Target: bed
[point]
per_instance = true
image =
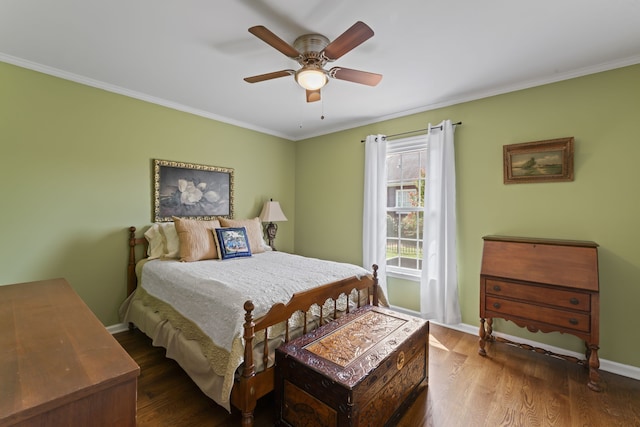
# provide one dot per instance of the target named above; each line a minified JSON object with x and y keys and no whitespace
{"x":258,"y":302}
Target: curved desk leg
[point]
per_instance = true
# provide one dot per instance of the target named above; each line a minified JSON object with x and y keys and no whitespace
{"x":485,"y":334}
{"x":594,"y":365}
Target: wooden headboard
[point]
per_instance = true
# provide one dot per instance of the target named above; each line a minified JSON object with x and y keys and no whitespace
{"x":132,"y":279}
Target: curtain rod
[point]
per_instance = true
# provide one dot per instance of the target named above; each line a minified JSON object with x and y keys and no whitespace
{"x":415,"y":131}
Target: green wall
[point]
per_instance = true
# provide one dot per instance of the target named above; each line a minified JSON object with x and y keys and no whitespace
{"x":602,"y":203}
{"x":75,"y":173}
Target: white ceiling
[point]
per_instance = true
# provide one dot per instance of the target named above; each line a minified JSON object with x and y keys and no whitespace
{"x":192,"y":55}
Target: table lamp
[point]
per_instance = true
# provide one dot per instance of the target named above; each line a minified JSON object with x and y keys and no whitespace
{"x":271,"y":212}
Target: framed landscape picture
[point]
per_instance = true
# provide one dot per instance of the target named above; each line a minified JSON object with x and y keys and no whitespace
{"x":189,"y":190}
{"x":539,"y":161}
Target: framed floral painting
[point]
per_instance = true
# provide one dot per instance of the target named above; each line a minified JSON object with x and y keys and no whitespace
{"x":188,"y":190}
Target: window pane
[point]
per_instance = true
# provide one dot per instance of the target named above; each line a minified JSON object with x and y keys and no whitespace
{"x":407,"y":225}
{"x":392,"y":251}
{"x":406,"y":198}
{"x":406,"y":171}
{"x":394,"y":168}
{"x":420,"y":224}
{"x":394,"y":262}
{"x":410,"y":165}
{"x":392,"y":224}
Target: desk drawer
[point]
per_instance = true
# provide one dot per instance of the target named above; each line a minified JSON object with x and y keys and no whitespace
{"x":562,"y":318}
{"x":574,"y":300}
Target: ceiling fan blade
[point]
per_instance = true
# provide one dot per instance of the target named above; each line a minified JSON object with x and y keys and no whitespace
{"x":269,"y":76}
{"x":313,"y":95}
{"x":274,"y":41}
{"x":355,"y":76}
{"x":353,"y":37}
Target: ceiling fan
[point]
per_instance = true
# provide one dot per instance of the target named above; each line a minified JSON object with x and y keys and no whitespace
{"x":312,"y":52}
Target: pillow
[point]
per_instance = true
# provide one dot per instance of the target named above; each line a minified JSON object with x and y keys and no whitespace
{"x":155,"y":248}
{"x":232,"y":242}
{"x":196,"y":239}
{"x":170,"y":240}
{"x":254,"y":231}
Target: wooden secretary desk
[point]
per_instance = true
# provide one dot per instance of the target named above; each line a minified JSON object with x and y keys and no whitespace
{"x":544,"y":285}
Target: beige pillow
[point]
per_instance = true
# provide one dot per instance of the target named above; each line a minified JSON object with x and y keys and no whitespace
{"x":155,"y":248}
{"x":254,"y":231}
{"x":196,"y":239}
{"x":171,"y":244}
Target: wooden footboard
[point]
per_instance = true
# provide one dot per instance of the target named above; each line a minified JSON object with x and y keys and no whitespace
{"x":252,"y":385}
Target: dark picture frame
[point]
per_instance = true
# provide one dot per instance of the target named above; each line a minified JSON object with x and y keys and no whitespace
{"x":189,"y":190}
{"x":539,"y":161}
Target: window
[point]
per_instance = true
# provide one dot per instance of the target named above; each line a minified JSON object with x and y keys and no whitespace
{"x":406,"y":172}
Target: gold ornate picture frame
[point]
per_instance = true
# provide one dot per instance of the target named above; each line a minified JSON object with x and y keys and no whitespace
{"x":189,"y":190}
{"x":539,"y":161}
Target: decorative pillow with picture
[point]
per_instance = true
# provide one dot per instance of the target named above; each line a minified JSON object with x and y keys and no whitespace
{"x":232,"y":242}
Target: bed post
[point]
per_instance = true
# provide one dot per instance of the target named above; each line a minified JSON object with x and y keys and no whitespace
{"x":247,"y":392}
{"x":131,"y":268}
{"x":375,"y":284}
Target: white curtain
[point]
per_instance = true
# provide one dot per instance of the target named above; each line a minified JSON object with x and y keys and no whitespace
{"x":439,"y":280}
{"x":374,"y":221}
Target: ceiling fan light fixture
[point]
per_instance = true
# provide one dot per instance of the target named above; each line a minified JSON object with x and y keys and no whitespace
{"x":312,"y":52}
{"x":311,"y":78}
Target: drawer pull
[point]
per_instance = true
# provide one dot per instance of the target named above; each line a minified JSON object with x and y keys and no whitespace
{"x":574,"y":301}
{"x":496,"y":288}
{"x":496,"y":305}
{"x":573,"y":321}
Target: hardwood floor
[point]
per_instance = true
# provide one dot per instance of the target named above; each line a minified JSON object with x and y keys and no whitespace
{"x":510,"y":387}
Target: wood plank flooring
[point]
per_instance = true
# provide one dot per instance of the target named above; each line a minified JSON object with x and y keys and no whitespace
{"x":510,"y":387}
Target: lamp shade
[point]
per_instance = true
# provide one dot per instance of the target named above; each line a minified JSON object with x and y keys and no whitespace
{"x":311,"y":78}
{"x":272,"y":212}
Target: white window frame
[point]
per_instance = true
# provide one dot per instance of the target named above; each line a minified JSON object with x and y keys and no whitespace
{"x":405,"y":145}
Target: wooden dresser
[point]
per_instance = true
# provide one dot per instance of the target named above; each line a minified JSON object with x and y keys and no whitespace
{"x":544,"y":285}
{"x":362,"y":369}
{"x":58,"y":364}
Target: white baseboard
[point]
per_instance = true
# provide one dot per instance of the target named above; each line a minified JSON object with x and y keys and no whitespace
{"x":605,"y":365}
{"x":118,"y":327}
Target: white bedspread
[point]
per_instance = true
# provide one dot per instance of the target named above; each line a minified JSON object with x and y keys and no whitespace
{"x":212,"y":293}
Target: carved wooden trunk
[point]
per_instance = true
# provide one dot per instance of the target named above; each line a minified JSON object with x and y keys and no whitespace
{"x":362,"y":369}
